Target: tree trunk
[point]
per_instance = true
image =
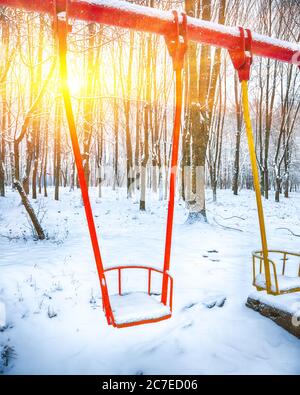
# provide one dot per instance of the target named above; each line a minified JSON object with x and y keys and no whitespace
{"x":37,"y":120}
{"x":278,"y":188}
{"x":202,"y":90}
{"x":147,"y":123}
{"x":57,"y":148}
{"x":45,"y":162}
{"x":236,"y":171}
{"x":127,"y":106}
{"x":89,"y":103}
{"x":116,"y":127}
{"x":35,"y":222}
{"x":3,"y":144}
{"x":5,"y":65}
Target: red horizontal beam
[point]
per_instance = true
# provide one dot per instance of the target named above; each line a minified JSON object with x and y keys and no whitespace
{"x":127,"y":15}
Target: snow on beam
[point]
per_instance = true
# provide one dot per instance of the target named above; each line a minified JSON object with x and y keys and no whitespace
{"x":284,"y":309}
{"x":131,"y":16}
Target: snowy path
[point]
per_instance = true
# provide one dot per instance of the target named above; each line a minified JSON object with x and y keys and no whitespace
{"x":57,"y":279}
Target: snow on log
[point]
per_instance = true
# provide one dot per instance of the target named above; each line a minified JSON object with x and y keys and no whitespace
{"x":284,"y":309}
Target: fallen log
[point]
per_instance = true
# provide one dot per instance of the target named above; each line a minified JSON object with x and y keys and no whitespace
{"x":26,"y":203}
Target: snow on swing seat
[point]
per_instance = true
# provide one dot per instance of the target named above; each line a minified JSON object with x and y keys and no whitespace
{"x":285,"y":283}
{"x":137,"y":306}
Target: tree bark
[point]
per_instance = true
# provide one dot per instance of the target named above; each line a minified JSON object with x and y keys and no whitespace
{"x":57,"y":148}
{"x":202,"y":88}
{"x":37,"y":121}
{"x":147,"y":126}
{"x":89,"y":102}
{"x":238,"y":107}
{"x":35,"y":222}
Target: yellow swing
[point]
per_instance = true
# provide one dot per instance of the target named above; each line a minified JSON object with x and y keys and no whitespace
{"x":277,"y":282}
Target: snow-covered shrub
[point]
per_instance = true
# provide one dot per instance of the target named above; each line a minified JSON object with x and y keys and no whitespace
{"x":7,"y":354}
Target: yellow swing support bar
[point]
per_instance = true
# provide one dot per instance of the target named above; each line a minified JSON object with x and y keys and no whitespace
{"x":242,"y":60}
{"x":251,"y":145}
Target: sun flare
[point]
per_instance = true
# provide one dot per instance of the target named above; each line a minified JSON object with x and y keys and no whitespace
{"x":75,"y":85}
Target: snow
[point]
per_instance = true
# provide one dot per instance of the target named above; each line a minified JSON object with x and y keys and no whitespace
{"x":137,"y":306}
{"x":234,"y":31}
{"x":62,"y":16}
{"x":130,"y":7}
{"x":54,"y":317}
{"x":276,"y":42}
{"x":285,"y":283}
{"x":208,"y":25}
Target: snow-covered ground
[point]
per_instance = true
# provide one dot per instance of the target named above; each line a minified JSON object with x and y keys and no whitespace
{"x":54,"y":321}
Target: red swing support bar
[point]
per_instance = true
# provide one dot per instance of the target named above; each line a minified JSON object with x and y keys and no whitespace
{"x":127,"y":15}
{"x":177,"y":46}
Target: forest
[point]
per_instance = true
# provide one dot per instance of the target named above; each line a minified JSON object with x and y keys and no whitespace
{"x":122,"y":89}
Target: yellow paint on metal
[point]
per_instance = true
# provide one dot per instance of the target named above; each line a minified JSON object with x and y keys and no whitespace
{"x":258,"y":256}
{"x":256,"y":182}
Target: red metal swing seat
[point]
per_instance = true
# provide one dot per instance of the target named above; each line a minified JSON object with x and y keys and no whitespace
{"x":137,"y":308}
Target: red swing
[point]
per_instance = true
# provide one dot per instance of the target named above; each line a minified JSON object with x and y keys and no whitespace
{"x":123,"y":310}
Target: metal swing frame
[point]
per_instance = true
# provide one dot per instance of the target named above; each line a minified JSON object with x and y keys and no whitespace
{"x":177,"y":46}
{"x":242,"y":60}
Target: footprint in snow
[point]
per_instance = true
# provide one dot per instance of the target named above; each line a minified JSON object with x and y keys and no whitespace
{"x":189,"y":306}
{"x":188,"y":325}
{"x":212,"y":302}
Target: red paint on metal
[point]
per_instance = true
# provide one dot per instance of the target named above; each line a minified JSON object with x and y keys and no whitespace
{"x":150,"y":20}
{"x":62,"y":31}
{"x":149,"y":282}
{"x":242,"y":58}
{"x":119,"y":282}
{"x":177,"y":49}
